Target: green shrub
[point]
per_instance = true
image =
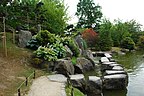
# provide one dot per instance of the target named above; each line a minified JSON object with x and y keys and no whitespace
{"x":45,"y":53}
{"x":33,"y":43}
{"x":72,"y":45}
{"x":141,"y":42}
{"x":59,"y":49}
{"x":44,"y":37}
{"x":128,"y":43}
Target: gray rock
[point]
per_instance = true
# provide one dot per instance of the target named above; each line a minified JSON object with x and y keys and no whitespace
{"x":112,"y":72}
{"x":78,"y":81}
{"x":68,"y":51}
{"x":108,"y":66}
{"x":88,"y":54}
{"x":64,"y":67}
{"x":79,"y":41}
{"x":78,"y":69}
{"x":117,"y":68}
{"x":57,"y":78}
{"x":108,"y":55}
{"x":85,"y":64}
{"x":23,"y":38}
{"x":94,"y":86}
{"x":116,"y":81}
{"x":104,"y":59}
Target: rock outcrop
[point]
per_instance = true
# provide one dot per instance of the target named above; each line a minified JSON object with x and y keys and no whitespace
{"x":64,"y":67}
{"x":94,"y":86}
{"x":23,"y":38}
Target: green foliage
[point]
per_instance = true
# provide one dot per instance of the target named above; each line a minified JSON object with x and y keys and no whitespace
{"x":141,"y":42}
{"x":128,"y":43}
{"x":88,"y":14}
{"x":55,"y":14}
{"x":45,"y":53}
{"x":76,"y":92}
{"x":105,"y":40}
{"x":120,"y":30}
{"x":33,"y":43}
{"x":74,"y":60}
{"x":59,"y":49}
{"x":51,"y":14}
{"x":72,"y":45}
{"x":44,"y":37}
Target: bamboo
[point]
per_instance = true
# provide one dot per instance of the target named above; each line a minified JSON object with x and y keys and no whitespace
{"x":13,"y":37}
{"x":5,"y":46}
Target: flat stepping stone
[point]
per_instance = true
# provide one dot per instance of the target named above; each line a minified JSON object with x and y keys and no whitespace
{"x":117,"y":68}
{"x":112,"y":72}
{"x":77,"y":76}
{"x":104,"y":59}
{"x":108,"y":55}
{"x":109,"y":63}
{"x":57,"y":78}
{"x":116,"y":81}
{"x":115,"y":76}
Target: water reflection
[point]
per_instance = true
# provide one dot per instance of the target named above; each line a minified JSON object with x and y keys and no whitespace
{"x":115,"y":93}
{"x":134,"y":64}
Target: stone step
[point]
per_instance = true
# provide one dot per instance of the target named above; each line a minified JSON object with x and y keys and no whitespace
{"x":116,"y":81}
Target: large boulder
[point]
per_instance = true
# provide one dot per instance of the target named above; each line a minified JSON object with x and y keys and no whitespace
{"x":89,"y":55}
{"x":78,"y":81}
{"x":64,"y":67}
{"x":94,"y":86}
{"x":23,"y":38}
{"x":69,"y":53}
{"x":79,"y":41}
{"x":116,"y":81}
{"x":84,"y":64}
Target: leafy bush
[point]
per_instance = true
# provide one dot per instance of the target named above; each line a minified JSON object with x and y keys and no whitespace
{"x":59,"y":49}
{"x":44,"y":37}
{"x":90,"y":36}
{"x":128,"y":43}
{"x":46,"y":53}
{"x":72,"y":45}
{"x":141,"y":42}
{"x":33,"y":43}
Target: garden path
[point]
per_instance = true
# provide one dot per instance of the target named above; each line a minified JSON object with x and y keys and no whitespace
{"x":42,"y":86}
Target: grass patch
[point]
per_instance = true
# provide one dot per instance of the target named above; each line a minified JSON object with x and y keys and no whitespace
{"x":76,"y":92}
{"x":74,"y":60}
{"x":14,"y":68}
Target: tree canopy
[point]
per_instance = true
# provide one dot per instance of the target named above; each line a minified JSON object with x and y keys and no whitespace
{"x":89,"y":14}
{"x":51,"y":14}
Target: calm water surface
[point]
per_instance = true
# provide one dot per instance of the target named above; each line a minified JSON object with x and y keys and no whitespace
{"x":134,"y":65}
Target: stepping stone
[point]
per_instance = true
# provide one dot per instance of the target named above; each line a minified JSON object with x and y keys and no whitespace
{"x":104,"y":59}
{"x":116,"y":81}
{"x":108,"y":55}
{"x":94,"y":86}
{"x":112,"y":72}
{"x":78,"y":81}
{"x":57,"y":78}
{"x":117,"y":68}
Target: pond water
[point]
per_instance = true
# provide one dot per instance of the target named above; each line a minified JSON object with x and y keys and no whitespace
{"x":134,"y":65}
